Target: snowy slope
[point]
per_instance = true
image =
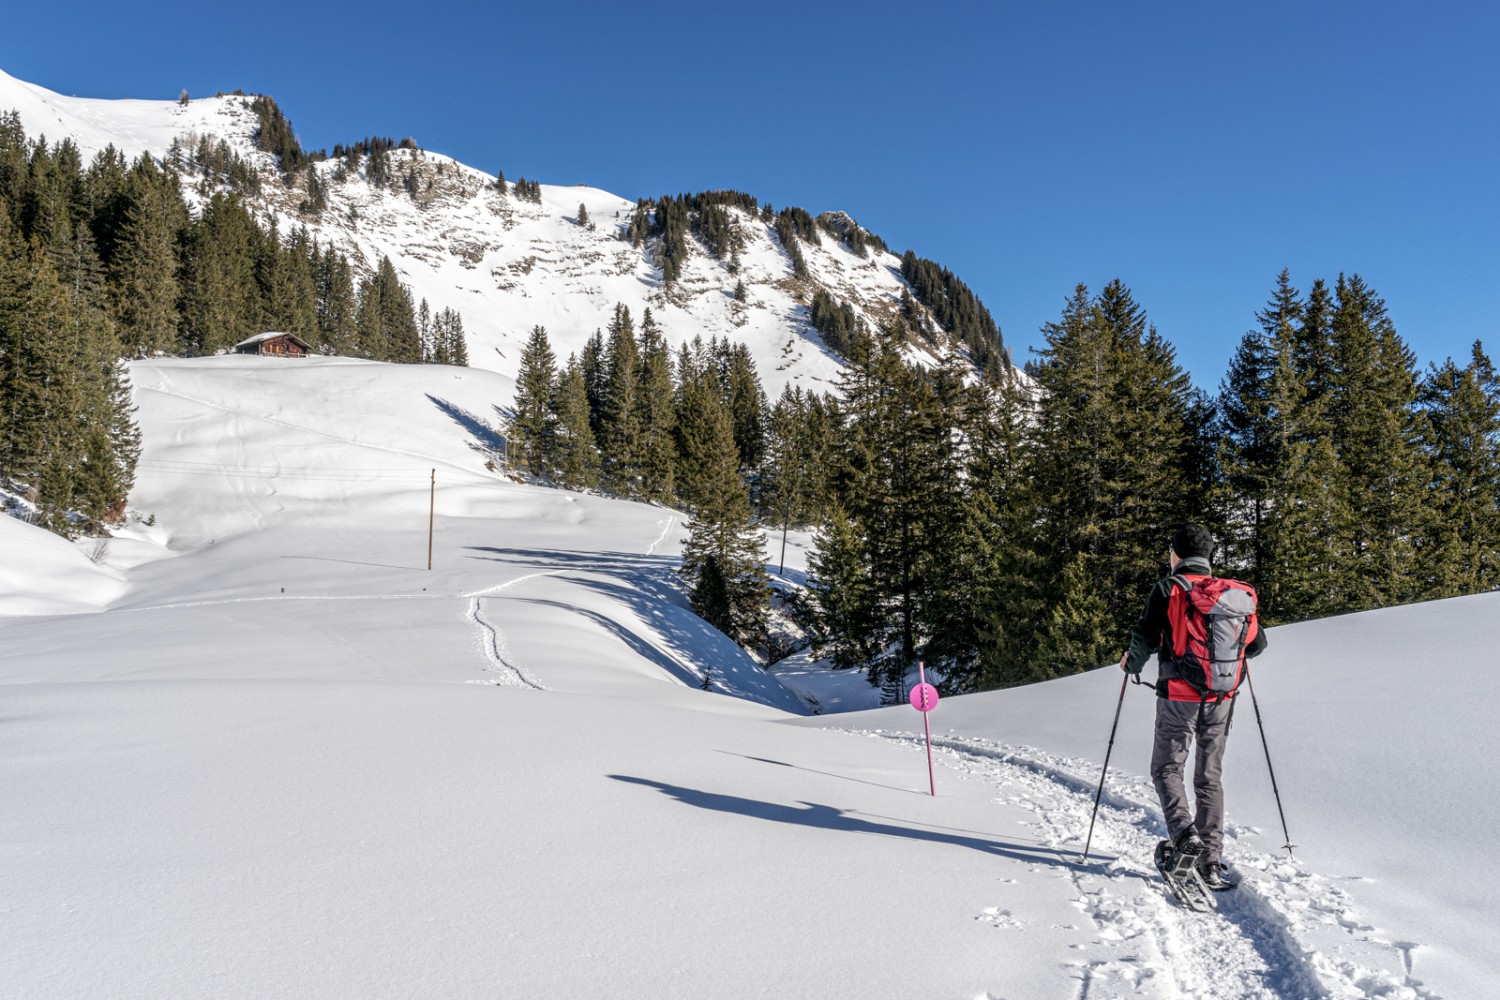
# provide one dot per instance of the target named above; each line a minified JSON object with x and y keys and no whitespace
{"x":283,"y":759}
{"x":505,"y":264}
{"x":44,"y":574}
{"x":1380,"y":728}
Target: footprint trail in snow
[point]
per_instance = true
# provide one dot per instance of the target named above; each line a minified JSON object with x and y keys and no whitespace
{"x":1285,"y":934}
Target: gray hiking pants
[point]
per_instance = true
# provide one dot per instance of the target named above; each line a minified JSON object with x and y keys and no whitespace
{"x":1177,"y":726}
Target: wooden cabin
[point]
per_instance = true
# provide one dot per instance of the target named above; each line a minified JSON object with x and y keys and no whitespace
{"x":276,"y":345}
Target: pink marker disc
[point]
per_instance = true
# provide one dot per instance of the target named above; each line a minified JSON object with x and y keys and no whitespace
{"x":924,"y":697}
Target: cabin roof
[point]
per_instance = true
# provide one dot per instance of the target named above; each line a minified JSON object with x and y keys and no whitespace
{"x":271,"y":335}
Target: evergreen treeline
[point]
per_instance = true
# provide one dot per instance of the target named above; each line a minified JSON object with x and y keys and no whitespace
{"x":1006,"y":530}
{"x":525,"y":190}
{"x":836,"y":322}
{"x":957,"y":308}
{"x":275,"y":136}
{"x":104,"y":261}
{"x":631,"y":418}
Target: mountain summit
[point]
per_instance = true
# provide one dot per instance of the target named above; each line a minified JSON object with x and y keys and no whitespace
{"x":509,"y":254}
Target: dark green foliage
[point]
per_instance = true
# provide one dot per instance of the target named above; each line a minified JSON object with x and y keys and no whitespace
{"x":899,"y":495}
{"x":798,"y":222}
{"x":786,"y":232}
{"x":68,"y":441}
{"x":525,"y":190}
{"x":674,"y":221}
{"x":956,"y":307}
{"x":656,"y":418}
{"x":143,"y":263}
{"x":338,"y":307}
{"x":220,"y":297}
{"x":576,"y":455}
{"x":1373,"y":418}
{"x":1461,"y":544}
{"x":275,"y":136}
{"x":620,"y":407}
{"x":836,"y":322}
{"x":386,"y":324}
{"x":531,"y":442}
{"x":583,"y":214}
{"x":721,"y":557}
{"x":317,"y":197}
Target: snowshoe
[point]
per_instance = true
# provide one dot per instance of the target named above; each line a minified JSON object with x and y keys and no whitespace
{"x":1179,"y":869}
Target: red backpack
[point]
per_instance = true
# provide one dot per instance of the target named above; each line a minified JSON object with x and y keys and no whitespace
{"x":1211,"y":625}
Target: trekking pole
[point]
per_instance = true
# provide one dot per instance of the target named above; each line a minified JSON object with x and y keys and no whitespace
{"x":1109,"y":750}
{"x":1274,"y":790}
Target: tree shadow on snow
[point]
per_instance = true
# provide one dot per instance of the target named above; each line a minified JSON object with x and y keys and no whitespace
{"x":639,"y":646}
{"x":487,"y":441}
{"x":627,"y":565}
{"x":824,"y":817}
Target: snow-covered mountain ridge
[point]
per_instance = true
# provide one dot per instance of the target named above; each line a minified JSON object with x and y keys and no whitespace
{"x":507,"y":264}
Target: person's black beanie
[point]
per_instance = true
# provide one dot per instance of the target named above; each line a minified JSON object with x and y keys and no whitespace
{"x":1193,"y":540}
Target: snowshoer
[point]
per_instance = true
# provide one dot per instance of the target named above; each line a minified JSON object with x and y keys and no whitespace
{"x":1203,"y":628}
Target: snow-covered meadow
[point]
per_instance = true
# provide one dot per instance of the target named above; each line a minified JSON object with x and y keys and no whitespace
{"x":254,"y":748}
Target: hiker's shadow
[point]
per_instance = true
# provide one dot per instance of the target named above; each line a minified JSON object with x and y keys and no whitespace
{"x":828,"y":818}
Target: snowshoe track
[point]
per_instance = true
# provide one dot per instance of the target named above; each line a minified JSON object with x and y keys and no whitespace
{"x":1284,"y":934}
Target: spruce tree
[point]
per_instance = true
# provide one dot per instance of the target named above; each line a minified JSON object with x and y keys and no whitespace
{"x":144,"y":266}
{"x":531,"y":442}
{"x":577,"y":456}
{"x":656,"y":415}
{"x":1460,"y":540}
{"x":1116,"y":454}
{"x":619,"y":411}
{"x":1375,"y":425}
{"x":846,"y":608}
{"x":338,"y":307}
{"x":722,"y":557}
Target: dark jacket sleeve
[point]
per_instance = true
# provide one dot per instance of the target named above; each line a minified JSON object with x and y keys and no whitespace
{"x":1254,"y":647}
{"x":1148,"y":634}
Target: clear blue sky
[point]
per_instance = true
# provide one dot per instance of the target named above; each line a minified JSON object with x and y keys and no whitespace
{"x":1190,"y":149}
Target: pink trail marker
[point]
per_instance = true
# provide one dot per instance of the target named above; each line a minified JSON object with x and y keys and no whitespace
{"x":924,"y":699}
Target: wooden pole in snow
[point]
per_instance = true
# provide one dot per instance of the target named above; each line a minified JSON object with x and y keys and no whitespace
{"x":431,"y":509}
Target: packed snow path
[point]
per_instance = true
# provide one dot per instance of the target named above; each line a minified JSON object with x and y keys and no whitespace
{"x":1284,"y":934}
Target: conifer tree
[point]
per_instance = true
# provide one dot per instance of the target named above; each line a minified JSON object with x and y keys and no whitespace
{"x":1460,"y":552}
{"x":747,"y":406}
{"x":144,"y":266}
{"x":337,"y":306}
{"x":721,"y":557}
{"x":593,"y":366}
{"x":220,"y":300}
{"x":656,"y":417}
{"x":1116,"y":446}
{"x":431,"y":352}
{"x":577,"y":457}
{"x":619,"y":417}
{"x":1375,"y":425}
{"x":386,"y":321}
{"x":530,"y":442}
{"x":449,"y":338}
{"x":846,"y":609}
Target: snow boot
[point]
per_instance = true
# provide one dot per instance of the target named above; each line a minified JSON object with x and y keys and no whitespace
{"x":1215,"y":875}
{"x":1188,"y":843}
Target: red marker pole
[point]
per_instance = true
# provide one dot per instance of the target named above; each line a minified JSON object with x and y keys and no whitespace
{"x":924,"y":699}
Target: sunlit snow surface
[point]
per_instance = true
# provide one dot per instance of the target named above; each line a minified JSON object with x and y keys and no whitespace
{"x":258,"y":750}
